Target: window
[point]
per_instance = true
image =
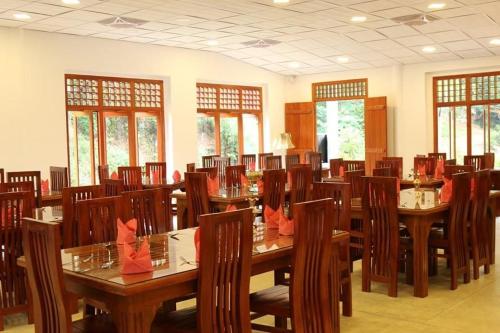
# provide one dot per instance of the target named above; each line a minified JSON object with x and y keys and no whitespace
{"x":466,"y":115}
{"x":114,"y":121}
{"x":229,"y":120}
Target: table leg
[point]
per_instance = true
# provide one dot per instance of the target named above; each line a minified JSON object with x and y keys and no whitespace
{"x":133,"y":317}
{"x":419,"y":229}
{"x":336,"y":288}
{"x":181,"y":214}
{"x":492,"y":215}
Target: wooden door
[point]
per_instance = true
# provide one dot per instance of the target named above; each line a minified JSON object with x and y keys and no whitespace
{"x":375,"y":131}
{"x":300,"y":122}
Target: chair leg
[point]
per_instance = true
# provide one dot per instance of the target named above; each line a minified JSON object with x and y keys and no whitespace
{"x":1,"y":323}
{"x":409,"y":267}
{"x":453,"y":275}
{"x":475,"y":265}
{"x":347,"y":297}
{"x":280,"y":322}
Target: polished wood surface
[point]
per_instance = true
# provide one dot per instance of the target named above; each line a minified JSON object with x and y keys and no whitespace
{"x":399,"y":160}
{"x":234,"y":174}
{"x":146,"y":207}
{"x":335,"y":164}
{"x":191,"y":167}
{"x":103,"y":172}
{"x":291,"y":160}
{"x":20,"y":187}
{"x":428,"y":162}
{"x":449,"y":170}
{"x":167,"y":188}
{"x":300,"y":122}
{"x":197,"y":198}
{"x":97,"y":220}
{"x":354,"y":178}
{"x":131,"y":177}
{"x":2,"y":175}
{"x":28,"y":176}
{"x":113,"y":187}
{"x":383,"y":172}
{"x":314,"y":159}
{"x":353,"y":165}
{"x":221,"y":163}
{"x":207,"y":161}
{"x":375,"y":130}
{"x":301,"y":177}
{"x":394,"y":165}
{"x":274,"y":189}
{"x":262,"y":160}
{"x":477,"y":161}
{"x":58,"y":178}
{"x":156,"y":170}
{"x":248,"y":160}
{"x":273,"y":162}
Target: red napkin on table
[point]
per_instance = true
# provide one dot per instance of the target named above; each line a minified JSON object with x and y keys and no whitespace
{"x":244,"y":181}
{"x":114,"y":175}
{"x":438,"y":173}
{"x":231,"y":208}
{"x":252,"y":166}
{"x":197,"y":243}
{"x":213,"y":185}
{"x":156,"y":177}
{"x":421,"y":170}
{"x":272,"y":217}
{"x":260,"y":186}
{"x":45,"y":186}
{"x":176,"y":176}
{"x":285,"y":226}
{"x":126,"y":231}
{"x":446,"y":190}
{"x":137,"y":262}
{"x":341,"y":171}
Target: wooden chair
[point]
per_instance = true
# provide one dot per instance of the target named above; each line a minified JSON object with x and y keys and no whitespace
{"x":273,"y":162}
{"x":399,"y":161}
{"x":335,"y":164}
{"x":309,"y":298}
{"x":301,"y":184}
{"x":438,"y":156}
{"x":455,"y":241}
{"x":274,"y":189}
{"x":51,"y":301}
{"x":352,"y":165}
{"x":159,"y":167}
{"x":28,"y":176}
{"x":112,"y":187}
{"x":145,"y":206}
{"x":212,"y":172}
{"x":354,"y":178}
{"x":429,"y":162}
{"x":393,"y":165}
{"x":103,"y":172}
{"x":291,"y":160}
{"x":495,"y":179}
{"x":314,"y":159}
{"x":450,"y":170}
{"x":97,"y":220}
{"x":190,"y":167}
{"x":381,"y":233}
{"x":452,"y":161}
{"x":14,"y":297}
{"x":58,"y":178}
{"x":132,"y":178}
{"x":20,"y":187}
{"x":234,"y":174}
{"x":2,"y":176}
{"x":262,"y":160}
{"x":223,"y":285}
{"x":207,"y":161}
{"x":489,"y":160}
{"x":70,"y":196}
{"x":477,"y":161}
{"x":480,"y":224}
{"x":196,"y":196}
{"x":221,"y":163}
{"x":382,"y":172}
{"x":341,"y":195}
{"x":248,"y":160}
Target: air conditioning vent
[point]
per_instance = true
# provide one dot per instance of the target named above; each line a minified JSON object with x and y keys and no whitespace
{"x":415,"y":20}
{"x":122,"y":22}
{"x":261,"y":43}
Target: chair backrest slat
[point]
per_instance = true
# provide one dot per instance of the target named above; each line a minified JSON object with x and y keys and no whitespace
{"x":477,"y":161}
{"x":438,"y":156}
{"x":274,"y":188}
{"x":112,"y":187}
{"x":489,"y":160}
{"x":353,"y":165}
{"x":314,"y":159}
{"x":28,"y":176}
{"x":481,"y":229}
{"x":191,"y":167}
{"x":196,"y":196}
{"x":156,"y":167}
{"x":131,"y":177}
{"x":449,"y":170}
{"x":221,"y":163}
{"x":234,"y":174}
{"x":291,"y":160}
{"x":273,"y":162}
{"x":428,"y":162}
{"x":58,"y":178}
{"x":335,"y":164}
{"x":249,"y":161}
{"x":97,"y":220}
{"x":341,"y":195}
{"x":395,"y":169}
{"x":145,"y":206}
{"x":103,"y":172}
{"x":399,"y":161}
{"x":383,"y":172}
{"x":262,"y":160}
{"x":354,"y":178}
{"x":20,"y":187}
{"x":301,"y":177}
{"x":207,"y":161}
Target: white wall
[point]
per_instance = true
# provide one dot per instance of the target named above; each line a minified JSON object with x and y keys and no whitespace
{"x":32,"y":106}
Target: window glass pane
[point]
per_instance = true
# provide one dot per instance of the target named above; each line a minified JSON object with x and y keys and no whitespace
{"x":117,"y":148}
{"x":477,"y":128}
{"x":445,"y":131}
{"x":206,"y":136}
{"x":495,"y":133}
{"x":461,"y":133}
{"x":147,"y":139}
{"x":83,"y":150}
{"x":229,"y":137}
{"x":72,"y":146}
{"x":96,"y":144}
{"x":250,"y":134}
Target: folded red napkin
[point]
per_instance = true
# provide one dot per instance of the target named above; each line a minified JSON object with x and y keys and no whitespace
{"x":260,"y":186}
{"x":446,"y":190}
{"x":438,"y":173}
{"x":197,"y":243}
{"x":252,"y":166}
{"x":421,"y":170}
{"x":341,"y":171}
{"x":231,"y":208}
{"x":155,"y":177}
{"x":285,"y":226}
{"x":272,"y":217}
{"x":244,"y":181}
{"x":126,"y":231}
{"x":137,"y":262}
{"x":176,"y":176}
{"x":213,"y":185}
{"x":114,"y":175}
{"x":45,"y":186}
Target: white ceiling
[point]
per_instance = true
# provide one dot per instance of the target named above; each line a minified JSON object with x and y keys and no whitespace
{"x":313,"y":33}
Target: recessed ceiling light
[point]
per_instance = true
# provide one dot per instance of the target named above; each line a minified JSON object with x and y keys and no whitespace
{"x":495,"y":42}
{"x":21,"y":16}
{"x":429,"y":49}
{"x":212,"y":42}
{"x":437,"y":5}
{"x":293,"y":64}
{"x":342,"y":59}
{"x":281,"y":1}
{"x":71,"y":2}
{"x":358,"y":19}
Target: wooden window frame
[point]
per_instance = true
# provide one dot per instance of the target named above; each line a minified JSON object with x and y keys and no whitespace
{"x":218,"y":112}
{"x":468,"y":103}
{"x":129,"y":111}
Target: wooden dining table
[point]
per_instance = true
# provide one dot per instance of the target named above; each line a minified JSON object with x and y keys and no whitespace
{"x":51,"y":198}
{"x":94,"y":272}
{"x":405,"y":183}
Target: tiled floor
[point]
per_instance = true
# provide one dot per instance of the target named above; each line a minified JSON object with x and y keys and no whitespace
{"x":474,"y":307}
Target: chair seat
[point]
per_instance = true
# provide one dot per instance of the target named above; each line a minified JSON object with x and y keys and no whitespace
{"x":272,"y":301}
{"x":94,"y":324}
{"x":175,"y":321}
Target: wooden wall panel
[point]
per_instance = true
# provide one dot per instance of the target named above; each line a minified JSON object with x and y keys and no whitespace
{"x":300,"y":122}
{"x":375,"y":131}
